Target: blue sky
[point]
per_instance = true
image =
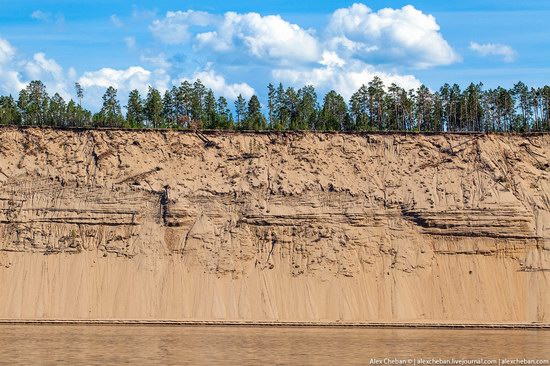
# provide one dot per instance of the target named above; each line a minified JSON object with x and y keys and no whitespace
{"x":330,"y":44}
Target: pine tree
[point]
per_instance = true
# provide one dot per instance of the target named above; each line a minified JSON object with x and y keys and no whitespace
{"x":135,"y":110}
{"x":376,"y":102}
{"x":394,"y":107}
{"x":520,"y":91}
{"x":225,"y":119}
{"x":254,"y":120}
{"x":240,"y":109}
{"x":169,"y":112}
{"x":80,"y":95}
{"x":57,"y":111}
{"x":281,"y":111}
{"x":153,"y":108}
{"x":210,"y":116}
{"x":308,"y":108}
{"x":110,"y":114}
{"x":79,"y":92}
{"x":271,"y":104}
{"x":9,"y":113}
{"x":183,"y":100}
{"x":546,"y":107}
{"x":423,"y":99}
{"x":197,"y":100}
{"x":359,"y":108}
{"x":334,"y":116}
{"x":292,"y":101}
{"x":37,"y":103}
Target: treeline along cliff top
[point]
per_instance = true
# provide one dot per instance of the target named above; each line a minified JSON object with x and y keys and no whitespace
{"x":374,"y":107}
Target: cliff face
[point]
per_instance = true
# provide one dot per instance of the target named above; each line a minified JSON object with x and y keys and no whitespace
{"x":161,"y":225}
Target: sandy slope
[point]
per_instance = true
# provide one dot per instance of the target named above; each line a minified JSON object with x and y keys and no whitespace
{"x":294,"y":227}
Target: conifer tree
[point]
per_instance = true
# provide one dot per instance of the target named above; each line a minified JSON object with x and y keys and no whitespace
{"x":254,"y":120}
{"x":9,"y":113}
{"x":240,"y":109}
{"x":153,"y":108}
{"x":110,"y":114}
{"x":135,"y":111}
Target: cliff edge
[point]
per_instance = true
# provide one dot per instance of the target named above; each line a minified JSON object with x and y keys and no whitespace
{"x":107,"y":224}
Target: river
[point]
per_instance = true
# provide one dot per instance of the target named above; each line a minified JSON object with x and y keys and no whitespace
{"x":158,"y":345}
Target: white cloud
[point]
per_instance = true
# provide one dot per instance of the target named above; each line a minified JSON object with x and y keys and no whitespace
{"x":16,"y":73}
{"x":40,"y":65}
{"x":47,"y":17}
{"x":6,"y":51}
{"x":130,"y":42}
{"x":115,"y":20}
{"x":174,"y":27}
{"x":220,"y":86}
{"x":10,"y":82}
{"x":494,"y":49}
{"x":264,"y":37}
{"x":10,"y":78}
{"x":50,"y":72}
{"x":141,"y":13}
{"x":403,"y":36}
{"x":356,"y":45}
{"x":330,"y":59}
{"x":344,"y":78}
{"x":134,"y":77}
{"x":40,"y":15}
{"x":159,"y":61}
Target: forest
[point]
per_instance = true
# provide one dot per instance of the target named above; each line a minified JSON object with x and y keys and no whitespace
{"x":374,"y":107}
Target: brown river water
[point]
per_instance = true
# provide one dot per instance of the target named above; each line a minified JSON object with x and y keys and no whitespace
{"x":156,"y":345}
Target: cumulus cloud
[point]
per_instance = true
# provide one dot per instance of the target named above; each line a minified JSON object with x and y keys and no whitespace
{"x":403,"y":36}
{"x":50,"y":72}
{"x":356,"y":45}
{"x":16,"y":73}
{"x":10,"y":79}
{"x":264,"y":37}
{"x":41,"y":65}
{"x":124,"y":80}
{"x":174,"y":27}
{"x":6,"y":51}
{"x":134,"y":77}
{"x":219,"y":85}
{"x":344,"y":78}
{"x":494,"y":49}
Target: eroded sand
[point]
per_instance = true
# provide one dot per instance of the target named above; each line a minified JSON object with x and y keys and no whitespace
{"x":293,"y":227}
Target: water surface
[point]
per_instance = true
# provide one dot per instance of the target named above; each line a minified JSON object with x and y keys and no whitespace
{"x":152,"y":345}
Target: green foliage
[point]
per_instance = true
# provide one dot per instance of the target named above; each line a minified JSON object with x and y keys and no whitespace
{"x":153,"y":109}
{"x":334,"y":115}
{"x":110,"y":114}
{"x":135,"y":114}
{"x":9,"y":113}
{"x":254,"y":119}
{"x":240,"y":109}
{"x":372,"y":107}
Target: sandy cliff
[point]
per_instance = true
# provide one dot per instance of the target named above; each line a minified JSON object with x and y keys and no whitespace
{"x":157,"y":225}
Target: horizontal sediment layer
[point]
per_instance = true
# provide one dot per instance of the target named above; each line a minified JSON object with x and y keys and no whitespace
{"x":274,"y":228}
{"x":241,"y":323}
